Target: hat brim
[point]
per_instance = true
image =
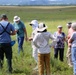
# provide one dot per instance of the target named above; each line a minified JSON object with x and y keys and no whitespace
{"x":16,"y":19}
{"x":68,"y":25}
{"x":41,"y":29}
{"x":30,"y":24}
{"x":59,"y":27}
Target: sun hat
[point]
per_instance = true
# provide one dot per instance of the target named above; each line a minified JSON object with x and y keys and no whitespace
{"x":69,"y":24}
{"x":59,"y":26}
{"x":16,"y":18}
{"x":41,"y":27}
{"x":74,"y":26}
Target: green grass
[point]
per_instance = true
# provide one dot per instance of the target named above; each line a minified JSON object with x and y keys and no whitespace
{"x":52,"y":16}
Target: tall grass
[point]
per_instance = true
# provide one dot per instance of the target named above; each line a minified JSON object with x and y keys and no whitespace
{"x":52,"y":17}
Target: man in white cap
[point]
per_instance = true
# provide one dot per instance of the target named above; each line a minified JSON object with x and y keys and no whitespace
{"x":21,"y":32}
{"x":68,"y":55}
{"x":34,"y":24}
{"x":41,"y":41}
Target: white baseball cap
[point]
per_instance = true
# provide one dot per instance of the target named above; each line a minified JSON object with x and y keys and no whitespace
{"x":59,"y":26}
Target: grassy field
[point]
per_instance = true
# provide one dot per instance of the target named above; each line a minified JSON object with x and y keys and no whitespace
{"x":52,"y":16}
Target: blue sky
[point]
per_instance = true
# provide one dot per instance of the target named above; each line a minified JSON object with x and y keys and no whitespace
{"x":28,"y":2}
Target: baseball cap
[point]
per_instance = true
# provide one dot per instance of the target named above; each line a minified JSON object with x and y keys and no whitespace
{"x":59,"y":26}
{"x":69,"y":23}
{"x":4,"y":16}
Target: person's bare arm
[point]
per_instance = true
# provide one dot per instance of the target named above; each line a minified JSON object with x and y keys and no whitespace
{"x":12,"y":33}
{"x":25,"y":31}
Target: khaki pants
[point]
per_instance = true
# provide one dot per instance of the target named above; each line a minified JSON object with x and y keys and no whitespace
{"x":44,"y":63}
{"x":69,"y":58}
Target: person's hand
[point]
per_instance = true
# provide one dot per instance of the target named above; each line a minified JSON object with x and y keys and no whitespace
{"x":30,"y":38}
{"x":69,"y":45}
{"x":26,"y":39}
{"x":16,"y":30}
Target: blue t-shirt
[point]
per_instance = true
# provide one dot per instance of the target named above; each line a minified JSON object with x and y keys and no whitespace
{"x":5,"y":37}
{"x":20,"y":29}
{"x":60,"y":37}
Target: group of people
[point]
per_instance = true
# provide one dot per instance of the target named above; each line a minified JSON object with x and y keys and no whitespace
{"x":41,"y":48}
{"x":72,"y":46}
{"x":40,"y":43}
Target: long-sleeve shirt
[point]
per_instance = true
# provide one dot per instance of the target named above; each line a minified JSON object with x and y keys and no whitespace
{"x":41,"y":41}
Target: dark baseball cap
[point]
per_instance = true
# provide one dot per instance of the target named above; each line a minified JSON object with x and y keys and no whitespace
{"x":3,"y":16}
{"x":69,"y":24}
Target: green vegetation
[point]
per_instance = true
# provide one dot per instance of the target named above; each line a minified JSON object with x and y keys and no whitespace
{"x":51,"y":16}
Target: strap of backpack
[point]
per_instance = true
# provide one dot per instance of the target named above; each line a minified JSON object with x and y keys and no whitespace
{"x":5,"y":29}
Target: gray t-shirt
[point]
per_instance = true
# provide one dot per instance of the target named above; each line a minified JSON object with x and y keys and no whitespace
{"x":73,"y":37}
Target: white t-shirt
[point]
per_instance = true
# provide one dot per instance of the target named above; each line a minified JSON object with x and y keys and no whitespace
{"x":73,"y":37}
{"x":41,"y":41}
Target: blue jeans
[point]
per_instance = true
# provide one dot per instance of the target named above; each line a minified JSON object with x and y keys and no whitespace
{"x":73,"y":50}
{"x":20,"y":44}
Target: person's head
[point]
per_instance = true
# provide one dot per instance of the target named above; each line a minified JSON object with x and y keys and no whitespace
{"x":42,"y":27}
{"x":59,"y":28}
{"x":69,"y":25}
{"x":74,"y":26}
{"x":34,"y":24}
{"x":3,"y":17}
{"x":16,"y":19}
